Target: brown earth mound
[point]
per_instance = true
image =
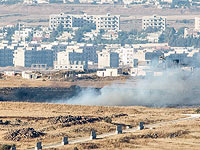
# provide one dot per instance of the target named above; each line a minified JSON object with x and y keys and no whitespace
{"x":74,"y":120}
{"x":17,"y":135}
{"x":155,"y":135}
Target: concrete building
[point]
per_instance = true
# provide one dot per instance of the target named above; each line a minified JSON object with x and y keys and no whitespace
{"x":107,"y":2}
{"x":42,"y":1}
{"x":177,"y":60}
{"x":167,"y":1}
{"x":126,"y":56}
{"x":30,"y":2}
{"x":127,"y":2}
{"x":91,"y":52}
{"x":107,"y":59}
{"x":110,"y":35}
{"x":197,"y":23}
{"x":153,"y":37}
{"x":31,"y":58}
{"x":109,"y":72}
{"x":6,"y":57}
{"x":154,"y":57}
{"x":106,"y":22}
{"x":29,"y":75}
{"x":138,"y":72}
{"x":22,"y":35}
{"x":154,"y":22}
{"x":188,"y":32}
{"x":71,"y":60}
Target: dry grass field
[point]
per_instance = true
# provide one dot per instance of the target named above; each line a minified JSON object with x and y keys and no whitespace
{"x":19,"y":82}
{"x":51,"y":122}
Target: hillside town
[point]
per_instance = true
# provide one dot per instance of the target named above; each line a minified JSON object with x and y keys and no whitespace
{"x":85,"y":43}
{"x":99,"y":74}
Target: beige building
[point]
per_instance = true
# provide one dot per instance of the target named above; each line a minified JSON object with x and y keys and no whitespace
{"x":154,"y":22}
{"x":106,"y":22}
{"x":70,"y":60}
{"x":107,"y":59}
{"x":197,"y":23}
{"x":109,"y":72}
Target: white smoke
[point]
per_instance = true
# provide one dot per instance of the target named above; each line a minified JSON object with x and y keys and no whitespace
{"x":174,"y":87}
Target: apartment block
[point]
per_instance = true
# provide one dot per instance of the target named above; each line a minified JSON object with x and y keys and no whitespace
{"x":71,"y":60}
{"x":154,"y":22}
{"x":197,"y":23}
{"x":6,"y":57}
{"x":107,"y":59}
{"x":31,"y":58}
{"x":126,"y":56}
{"x":106,"y":22}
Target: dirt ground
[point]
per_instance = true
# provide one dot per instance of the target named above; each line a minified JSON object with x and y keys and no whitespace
{"x":52,"y":121}
{"x":19,"y":82}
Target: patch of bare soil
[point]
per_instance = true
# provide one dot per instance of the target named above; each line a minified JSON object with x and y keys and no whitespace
{"x":24,"y":133}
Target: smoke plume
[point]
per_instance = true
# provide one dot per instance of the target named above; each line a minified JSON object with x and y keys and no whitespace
{"x":174,"y":88}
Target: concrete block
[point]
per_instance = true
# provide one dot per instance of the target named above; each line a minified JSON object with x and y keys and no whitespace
{"x":119,"y":129}
{"x":141,"y":126}
{"x":65,"y":141}
{"x":93,"y":135}
{"x":38,"y":146}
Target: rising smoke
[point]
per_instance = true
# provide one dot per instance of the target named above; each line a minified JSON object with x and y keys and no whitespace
{"x":174,"y":88}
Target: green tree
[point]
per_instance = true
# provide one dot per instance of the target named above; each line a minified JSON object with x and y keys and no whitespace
{"x":60,"y":29}
{"x":78,"y":36}
{"x":53,"y":36}
{"x":10,"y":32}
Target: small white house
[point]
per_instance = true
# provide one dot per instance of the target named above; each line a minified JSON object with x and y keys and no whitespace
{"x":157,"y":74}
{"x":29,"y":75}
{"x":111,"y":72}
{"x":136,"y":72}
{"x":9,"y":73}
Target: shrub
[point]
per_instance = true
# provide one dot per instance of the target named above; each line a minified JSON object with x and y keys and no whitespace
{"x":108,"y":119}
{"x":197,"y":110}
{"x":5,"y":147}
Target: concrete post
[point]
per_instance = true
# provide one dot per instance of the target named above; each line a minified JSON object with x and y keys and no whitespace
{"x":38,"y":146}
{"x":93,"y":135}
{"x":141,"y":126}
{"x":119,"y":129}
{"x":65,"y":141}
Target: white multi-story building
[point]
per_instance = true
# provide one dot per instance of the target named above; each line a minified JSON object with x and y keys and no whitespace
{"x":154,"y":22}
{"x":107,"y":59}
{"x":126,"y":56}
{"x":106,"y":22}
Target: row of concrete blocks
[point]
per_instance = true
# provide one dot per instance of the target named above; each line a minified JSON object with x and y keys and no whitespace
{"x":118,"y":130}
{"x":92,"y":137}
{"x":39,"y":144}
